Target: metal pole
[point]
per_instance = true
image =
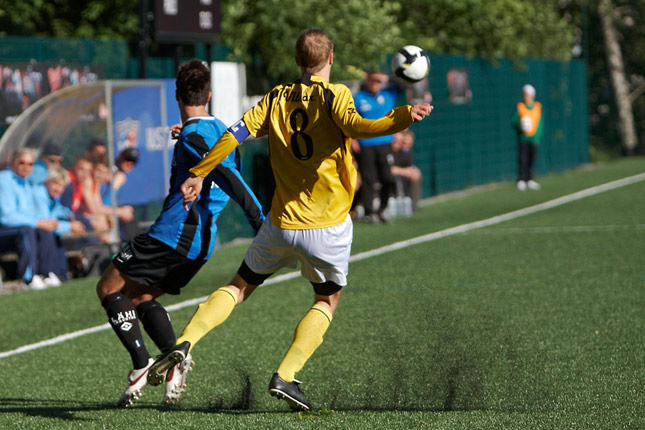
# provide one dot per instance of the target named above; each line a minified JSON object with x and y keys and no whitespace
{"x":143,"y":38}
{"x":209,"y":60}
{"x":164,"y":124}
{"x":114,"y":233}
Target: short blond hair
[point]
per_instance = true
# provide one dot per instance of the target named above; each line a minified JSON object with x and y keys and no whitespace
{"x":313,"y":49}
{"x":57,"y":173}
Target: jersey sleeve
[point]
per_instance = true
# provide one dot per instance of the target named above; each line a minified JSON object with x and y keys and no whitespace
{"x":230,"y":181}
{"x":355,"y":126}
{"x":196,"y":146}
{"x":255,"y":122}
{"x":224,"y":146}
{"x":10,"y":213}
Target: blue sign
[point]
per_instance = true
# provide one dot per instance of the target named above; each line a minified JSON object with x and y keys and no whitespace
{"x":138,"y":124}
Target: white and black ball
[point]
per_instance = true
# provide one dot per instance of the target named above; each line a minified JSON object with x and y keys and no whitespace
{"x":411,"y":64}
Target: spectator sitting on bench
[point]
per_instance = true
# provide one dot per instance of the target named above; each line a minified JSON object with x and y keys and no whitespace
{"x":101,"y":215}
{"x":95,"y":150}
{"x":48,"y":205}
{"x":407,"y":176}
{"x":50,"y":156}
{"x":33,"y":238}
{"x":49,"y":201}
{"x":125,"y":162}
{"x":73,"y":195}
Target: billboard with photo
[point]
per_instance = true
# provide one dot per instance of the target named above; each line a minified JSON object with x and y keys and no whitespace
{"x":22,"y":84}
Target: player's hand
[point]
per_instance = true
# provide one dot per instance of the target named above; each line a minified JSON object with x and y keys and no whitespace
{"x":420,"y":111}
{"x":175,"y":130}
{"x":191,"y":189}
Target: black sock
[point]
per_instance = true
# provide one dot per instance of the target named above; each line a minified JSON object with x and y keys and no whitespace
{"x":123,"y":318}
{"x":156,"y":322}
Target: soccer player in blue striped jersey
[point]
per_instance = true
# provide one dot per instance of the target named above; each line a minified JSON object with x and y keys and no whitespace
{"x":309,"y":124}
{"x":166,"y":257}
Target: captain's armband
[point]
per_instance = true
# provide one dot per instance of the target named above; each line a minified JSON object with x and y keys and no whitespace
{"x":239,"y":131}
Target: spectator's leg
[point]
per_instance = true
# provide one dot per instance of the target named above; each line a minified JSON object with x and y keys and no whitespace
{"x":415,"y":192}
{"x":26,"y":247}
{"x":46,"y":252}
{"x":367,"y":166}
{"x":59,"y":260}
{"x":384,"y":174}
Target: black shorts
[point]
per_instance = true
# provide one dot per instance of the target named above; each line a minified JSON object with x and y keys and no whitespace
{"x":148,"y":261}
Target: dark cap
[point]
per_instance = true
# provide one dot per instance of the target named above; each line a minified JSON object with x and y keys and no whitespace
{"x":130,"y":154}
{"x":50,"y":148}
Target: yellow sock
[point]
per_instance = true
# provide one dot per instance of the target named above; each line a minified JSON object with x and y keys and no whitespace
{"x":308,"y":336}
{"x":208,"y":315}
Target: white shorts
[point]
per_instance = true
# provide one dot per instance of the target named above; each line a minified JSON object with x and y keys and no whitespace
{"x":322,"y":252}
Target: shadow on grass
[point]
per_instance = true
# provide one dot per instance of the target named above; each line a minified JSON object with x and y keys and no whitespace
{"x":67,"y":410}
{"x":52,"y":408}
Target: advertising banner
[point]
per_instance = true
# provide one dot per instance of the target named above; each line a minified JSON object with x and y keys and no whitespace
{"x":139,"y":124}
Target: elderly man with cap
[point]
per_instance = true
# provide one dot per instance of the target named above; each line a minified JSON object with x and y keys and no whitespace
{"x":528,"y":123}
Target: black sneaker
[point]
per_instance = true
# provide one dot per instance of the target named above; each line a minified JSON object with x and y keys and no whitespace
{"x":290,"y":392}
{"x":384,"y":218}
{"x":166,"y":361}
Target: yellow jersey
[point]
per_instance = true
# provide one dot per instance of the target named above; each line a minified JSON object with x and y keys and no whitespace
{"x":310,"y":124}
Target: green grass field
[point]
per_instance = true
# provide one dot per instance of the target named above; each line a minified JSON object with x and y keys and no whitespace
{"x":536,"y":322}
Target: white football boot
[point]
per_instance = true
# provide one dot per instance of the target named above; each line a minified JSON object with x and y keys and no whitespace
{"x":176,"y":381}
{"x":137,"y":380}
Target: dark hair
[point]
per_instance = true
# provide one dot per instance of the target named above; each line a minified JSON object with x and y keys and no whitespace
{"x":193,"y":83}
{"x":103,"y":159}
{"x":50,"y":148}
{"x":94,"y":143}
{"x":130,"y":154}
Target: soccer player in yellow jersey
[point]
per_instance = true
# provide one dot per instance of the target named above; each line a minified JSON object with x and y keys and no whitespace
{"x":310,"y":124}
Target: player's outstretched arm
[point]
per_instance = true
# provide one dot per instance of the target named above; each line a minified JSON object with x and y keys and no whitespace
{"x":191,"y":188}
{"x":420,"y":111}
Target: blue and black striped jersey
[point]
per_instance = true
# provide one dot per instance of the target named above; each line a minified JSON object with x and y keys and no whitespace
{"x":192,"y":233}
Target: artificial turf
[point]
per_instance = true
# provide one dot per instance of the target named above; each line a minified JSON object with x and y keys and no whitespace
{"x":535,"y":322}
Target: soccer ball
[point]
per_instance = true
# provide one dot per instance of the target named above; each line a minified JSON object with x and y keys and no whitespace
{"x":410,"y":64}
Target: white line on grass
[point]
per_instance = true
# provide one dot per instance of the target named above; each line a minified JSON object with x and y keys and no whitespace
{"x":562,"y":229}
{"x":375,"y":252}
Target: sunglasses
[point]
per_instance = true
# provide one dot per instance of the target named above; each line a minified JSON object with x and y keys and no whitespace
{"x":54,"y":159}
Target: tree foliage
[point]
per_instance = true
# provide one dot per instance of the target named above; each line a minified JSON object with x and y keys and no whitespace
{"x":365,"y":31}
{"x":264,"y":33}
{"x":100,"y":19}
{"x":489,"y":28}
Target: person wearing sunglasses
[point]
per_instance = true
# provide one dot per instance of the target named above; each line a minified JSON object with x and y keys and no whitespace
{"x":50,"y":156}
{"x":21,"y":229}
